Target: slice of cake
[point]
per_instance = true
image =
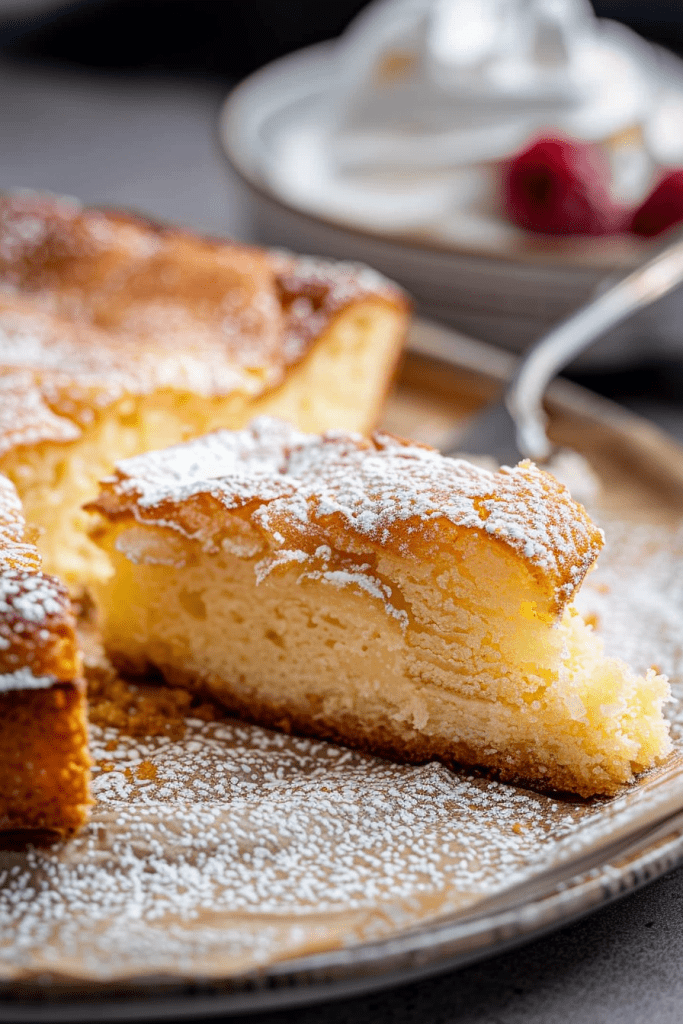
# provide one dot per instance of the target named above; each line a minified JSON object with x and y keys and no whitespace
{"x":118,"y":336}
{"x":378,"y":594}
{"x":44,"y":762}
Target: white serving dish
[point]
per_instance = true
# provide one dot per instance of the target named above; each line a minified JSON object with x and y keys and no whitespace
{"x":506,"y":298}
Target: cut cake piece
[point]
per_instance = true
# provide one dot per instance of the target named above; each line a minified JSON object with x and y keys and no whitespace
{"x":118,"y":336}
{"x":379,"y":594}
{"x":44,"y":762}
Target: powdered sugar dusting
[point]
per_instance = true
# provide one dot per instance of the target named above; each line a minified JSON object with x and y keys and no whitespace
{"x":23,"y":679}
{"x":33,"y":598}
{"x":312,"y":290}
{"x":297,"y":487}
{"x":31,"y":604}
{"x":95,"y":306}
{"x":223,"y":848}
{"x":363,"y":579}
{"x":264,"y":568}
{"x":15,"y":553}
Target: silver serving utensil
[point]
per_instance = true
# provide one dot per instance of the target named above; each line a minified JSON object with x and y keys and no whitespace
{"x":515,"y":427}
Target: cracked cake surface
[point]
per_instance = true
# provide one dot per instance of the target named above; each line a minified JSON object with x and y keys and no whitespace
{"x":97,"y":304}
{"x":302,"y":490}
{"x":118,"y":335}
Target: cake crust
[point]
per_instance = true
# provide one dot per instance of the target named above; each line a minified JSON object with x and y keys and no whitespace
{"x":96,"y":305}
{"x":44,"y":761}
{"x":359,"y":495}
{"x":37,"y":627}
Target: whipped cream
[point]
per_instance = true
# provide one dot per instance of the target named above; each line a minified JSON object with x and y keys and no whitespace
{"x":425,"y":97}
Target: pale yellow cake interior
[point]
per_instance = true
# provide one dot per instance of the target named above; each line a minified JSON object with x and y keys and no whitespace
{"x":341,"y":383}
{"x":465,"y":661}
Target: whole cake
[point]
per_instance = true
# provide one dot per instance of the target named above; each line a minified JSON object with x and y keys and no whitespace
{"x":379,"y":594}
{"x":44,"y":762}
{"x":118,"y":335}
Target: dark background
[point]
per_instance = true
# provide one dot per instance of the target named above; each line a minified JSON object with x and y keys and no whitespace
{"x":229,"y":38}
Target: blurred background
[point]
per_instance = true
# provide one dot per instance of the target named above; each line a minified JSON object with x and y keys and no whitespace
{"x":116,"y":102}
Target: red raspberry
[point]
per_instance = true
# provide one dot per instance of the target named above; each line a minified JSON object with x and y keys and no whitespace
{"x":662,"y":209}
{"x":561,"y":188}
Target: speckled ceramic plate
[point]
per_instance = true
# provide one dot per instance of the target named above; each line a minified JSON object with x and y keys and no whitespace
{"x":397,"y":872}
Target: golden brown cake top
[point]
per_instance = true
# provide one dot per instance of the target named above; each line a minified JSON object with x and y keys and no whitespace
{"x":303,"y":492}
{"x":37,"y":640}
{"x":95,"y":305}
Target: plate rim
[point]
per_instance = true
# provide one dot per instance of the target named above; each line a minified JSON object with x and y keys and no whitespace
{"x":301,"y":982}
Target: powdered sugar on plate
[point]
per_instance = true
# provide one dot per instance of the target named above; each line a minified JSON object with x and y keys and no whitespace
{"x":635,"y":599}
{"x":234,"y":828}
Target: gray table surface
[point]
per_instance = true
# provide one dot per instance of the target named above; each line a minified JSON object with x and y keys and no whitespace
{"x":150,"y":144}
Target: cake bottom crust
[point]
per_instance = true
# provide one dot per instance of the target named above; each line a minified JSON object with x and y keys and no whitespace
{"x":44,"y":761}
{"x":395,"y":742}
